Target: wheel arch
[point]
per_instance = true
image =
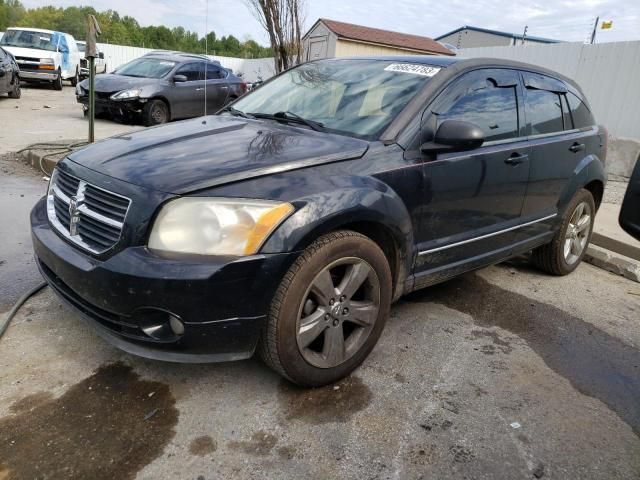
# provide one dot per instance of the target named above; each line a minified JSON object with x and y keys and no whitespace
{"x":379,"y":215}
{"x":588,"y":174}
{"x":166,"y":102}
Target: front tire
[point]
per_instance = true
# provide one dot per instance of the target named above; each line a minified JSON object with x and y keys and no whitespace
{"x":57,"y":83}
{"x":155,"y":112}
{"x":329,"y":310}
{"x":16,"y":92}
{"x":565,"y":252}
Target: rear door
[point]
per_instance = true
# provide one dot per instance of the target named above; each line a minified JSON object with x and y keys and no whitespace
{"x":561,"y":133}
{"x":6,"y":71}
{"x":188,"y":97}
{"x":217,"y":87}
{"x":473,"y":199}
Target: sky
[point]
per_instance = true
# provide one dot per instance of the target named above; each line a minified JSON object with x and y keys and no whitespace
{"x":568,"y":20}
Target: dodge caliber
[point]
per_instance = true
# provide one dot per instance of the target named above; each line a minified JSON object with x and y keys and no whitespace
{"x":289,"y":222}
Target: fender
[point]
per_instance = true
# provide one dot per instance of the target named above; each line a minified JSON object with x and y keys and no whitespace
{"x":590,"y":168}
{"x":365,"y":201}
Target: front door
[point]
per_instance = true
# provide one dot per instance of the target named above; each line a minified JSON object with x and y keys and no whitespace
{"x":473,"y":199}
{"x":188,"y":97}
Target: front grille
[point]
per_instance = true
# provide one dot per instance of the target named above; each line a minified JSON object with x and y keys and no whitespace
{"x":88,"y":216}
{"x":28,"y":59}
{"x":104,"y":95}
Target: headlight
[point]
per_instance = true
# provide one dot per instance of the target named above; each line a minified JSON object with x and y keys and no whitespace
{"x":126,"y":94}
{"x":48,"y":61}
{"x":216,"y":226}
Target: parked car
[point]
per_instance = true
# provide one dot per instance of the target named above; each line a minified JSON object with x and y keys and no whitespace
{"x":9,"y":75}
{"x":630,"y":211}
{"x":100,"y":63}
{"x":289,"y":222}
{"x":163,"y":86}
{"x":43,"y":55}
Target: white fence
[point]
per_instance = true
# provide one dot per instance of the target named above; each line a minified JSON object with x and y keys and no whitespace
{"x":609,"y":74}
{"x":252,"y":69}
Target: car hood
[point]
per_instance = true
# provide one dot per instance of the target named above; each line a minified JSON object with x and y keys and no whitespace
{"x":29,"y":52}
{"x":110,"y":82}
{"x":186,"y":156}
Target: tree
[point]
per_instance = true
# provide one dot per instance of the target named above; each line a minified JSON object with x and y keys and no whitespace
{"x":282,"y":19}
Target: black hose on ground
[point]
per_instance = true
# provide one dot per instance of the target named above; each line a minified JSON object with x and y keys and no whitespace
{"x":56,"y":148}
{"x":5,"y":323}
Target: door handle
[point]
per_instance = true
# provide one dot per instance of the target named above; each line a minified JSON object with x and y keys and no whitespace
{"x":516,"y":159}
{"x":576,"y":147}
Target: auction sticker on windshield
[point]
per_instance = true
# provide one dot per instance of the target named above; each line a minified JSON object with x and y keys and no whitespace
{"x":416,"y":69}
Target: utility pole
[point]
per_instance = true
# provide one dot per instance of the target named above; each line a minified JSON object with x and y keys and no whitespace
{"x":595,"y":28}
{"x":524,"y":34}
{"x":91,"y":52}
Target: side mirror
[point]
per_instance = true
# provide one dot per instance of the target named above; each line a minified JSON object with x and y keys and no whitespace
{"x":101,"y":55}
{"x":455,"y":136}
{"x":179,"y":78}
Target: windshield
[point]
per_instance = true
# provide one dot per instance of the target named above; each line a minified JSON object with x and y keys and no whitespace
{"x":29,"y":39}
{"x":355,"y":97}
{"x":147,"y":68}
{"x":81,"y":47}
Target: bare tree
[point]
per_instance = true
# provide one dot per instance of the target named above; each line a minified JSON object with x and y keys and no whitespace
{"x":282,"y":19}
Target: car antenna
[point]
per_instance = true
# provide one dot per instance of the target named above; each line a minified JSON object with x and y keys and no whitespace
{"x":206,"y":53}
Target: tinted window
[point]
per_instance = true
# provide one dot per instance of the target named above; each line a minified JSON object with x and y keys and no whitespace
{"x":481,"y":101}
{"x":214,"y":72}
{"x":193,"y":71}
{"x":581,"y":115}
{"x":544,"y":113}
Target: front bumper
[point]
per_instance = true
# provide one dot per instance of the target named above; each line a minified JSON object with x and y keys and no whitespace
{"x":122,"y":108}
{"x":30,"y":75}
{"x":222,"y":302}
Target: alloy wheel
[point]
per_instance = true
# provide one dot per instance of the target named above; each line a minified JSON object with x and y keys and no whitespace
{"x":577,"y":234}
{"x":338,"y":312}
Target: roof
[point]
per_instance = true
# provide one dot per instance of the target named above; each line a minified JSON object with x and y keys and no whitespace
{"x":40,"y":30}
{"x":383,"y":37}
{"x":517,"y":36}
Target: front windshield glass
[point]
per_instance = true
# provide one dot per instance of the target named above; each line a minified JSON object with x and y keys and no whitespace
{"x":354,"y":97}
{"x":29,"y":39}
{"x":146,"y":68}
{"x":81,"y":47}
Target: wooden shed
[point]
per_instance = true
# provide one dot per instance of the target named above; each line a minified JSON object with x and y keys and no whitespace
{"x":329,"y":38}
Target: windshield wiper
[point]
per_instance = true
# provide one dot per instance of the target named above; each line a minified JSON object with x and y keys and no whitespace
{"x":291,"y":117}
{"x":236,"y":113}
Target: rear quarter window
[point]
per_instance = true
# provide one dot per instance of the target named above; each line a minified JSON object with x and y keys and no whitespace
{"x":581,"y":115}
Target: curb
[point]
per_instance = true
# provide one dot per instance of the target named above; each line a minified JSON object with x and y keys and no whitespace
{"x":616,"y":246}
{"x":613,"y":262}
{"x":46,"y":159}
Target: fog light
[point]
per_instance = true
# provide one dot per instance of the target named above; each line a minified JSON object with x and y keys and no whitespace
{"x":176,"y":325}
{"x":159,"y":324}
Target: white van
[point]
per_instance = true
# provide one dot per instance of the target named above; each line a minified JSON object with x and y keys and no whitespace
{"x":43,"y":55}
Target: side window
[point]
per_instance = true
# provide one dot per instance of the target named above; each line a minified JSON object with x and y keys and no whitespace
{"x":2,"y":54}
{"x":544,"y":111}
{"x":485,"y":100}
{"x":581,"y":115}
{"x":193,"y":71}
{"x":214,"y":72}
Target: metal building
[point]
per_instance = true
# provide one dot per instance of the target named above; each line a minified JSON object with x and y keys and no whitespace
{"x":472,"y":37}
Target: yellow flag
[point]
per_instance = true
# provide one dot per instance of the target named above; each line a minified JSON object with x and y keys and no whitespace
{"x":607,"y":25}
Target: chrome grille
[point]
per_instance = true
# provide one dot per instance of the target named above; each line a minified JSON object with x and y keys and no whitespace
{"x":88,"y":216}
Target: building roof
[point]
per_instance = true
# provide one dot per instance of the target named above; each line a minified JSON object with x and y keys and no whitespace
{"x":383,"y":37}
{"x":517,"y":36}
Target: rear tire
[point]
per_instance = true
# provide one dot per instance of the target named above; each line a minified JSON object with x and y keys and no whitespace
{"x":16,"y":92}
{"x":57,"y":83}
{"x":567,"y":249}
{"x":155,"y":112}
{"x":314,"y":335}
{"x":75,"y":79}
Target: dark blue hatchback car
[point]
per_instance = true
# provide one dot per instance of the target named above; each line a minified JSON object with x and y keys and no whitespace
{"x":291,"y":220}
